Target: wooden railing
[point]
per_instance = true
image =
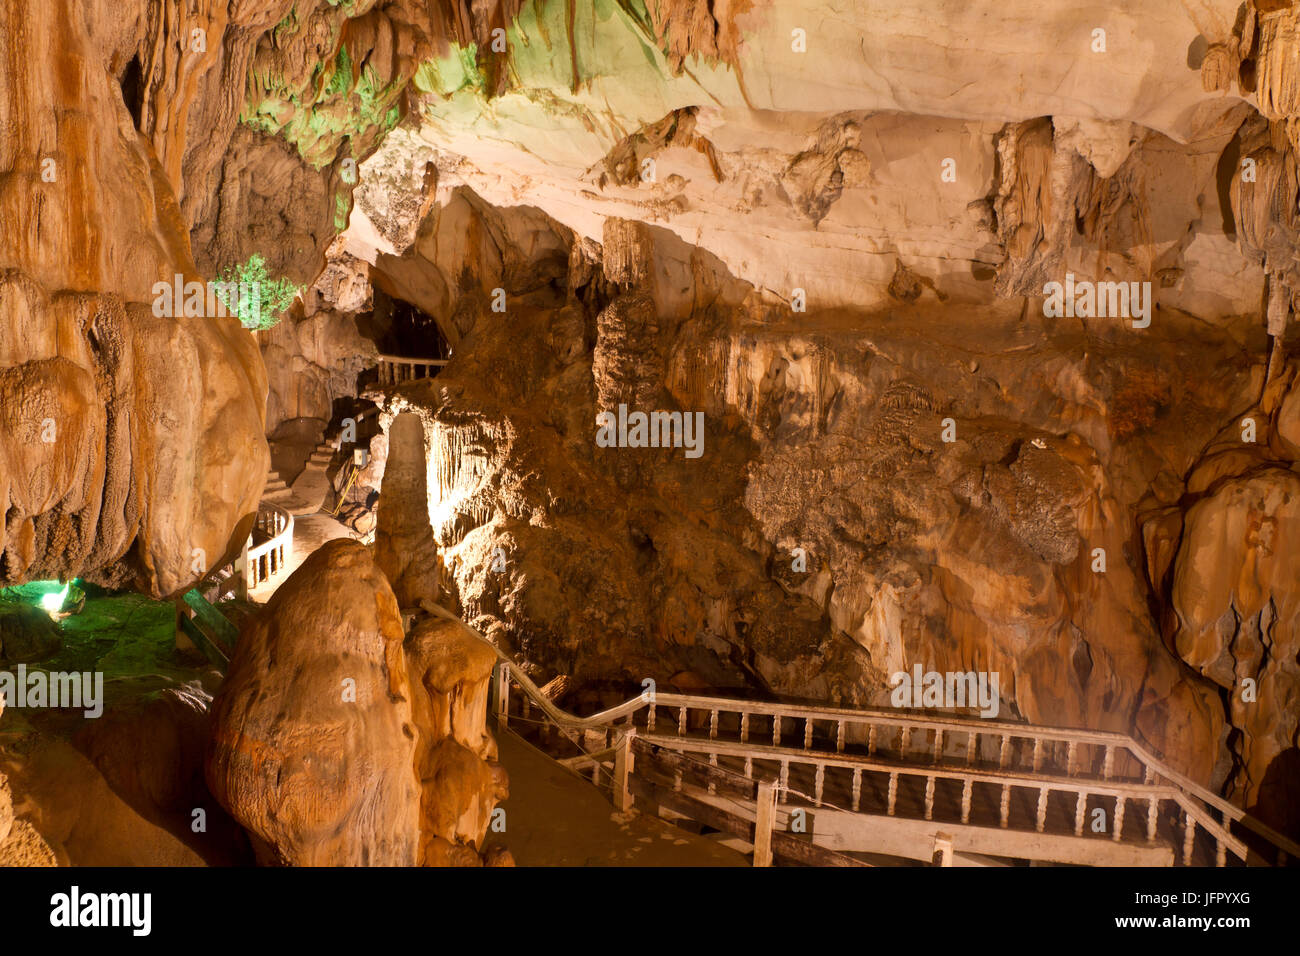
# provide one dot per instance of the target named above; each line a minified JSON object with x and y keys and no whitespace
{"x":968,"y":750}
{"x":1092,"y":766}
{"x":1075,"y":754}
{"x":855,"y":768}
{"x":396,"y":369}
{"x":207,"y":628}
{"x":272,"y":533}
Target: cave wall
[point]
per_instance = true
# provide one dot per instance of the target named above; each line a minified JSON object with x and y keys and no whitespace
{"x":832,"y":230}
{"x":914,"y":200}
{"x":132,"y":441}
{"x":824,"y":432}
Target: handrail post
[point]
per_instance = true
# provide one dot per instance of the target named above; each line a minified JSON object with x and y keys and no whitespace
{"x":241,"y":574}
{"x":942,"y":855}
{"x":503,"y":694}
{"x":764,"y":822}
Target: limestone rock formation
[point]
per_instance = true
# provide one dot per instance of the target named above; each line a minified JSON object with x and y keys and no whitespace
{"x":465,"y":250}
{"x":460,"y":780}
{"x":825,"y":434}
{"x":1234,"y":591}
{"x":404,"y":547}
{"x":26,"y":634}
{"x":824,"y":235}
{"x":20,"y":844}
{"x":312,"y":362}
{"x":65,"y":812}
{"x":24,"y":847}
{"x":330,"y":748}
{"x":151,"y":749}
{"x":834,"y":266}
{"x":131,"y":443}
{"x":313,"y":744}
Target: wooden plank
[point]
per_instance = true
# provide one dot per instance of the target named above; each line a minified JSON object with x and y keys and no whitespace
{"x":659,"y":761}
{"x":216,"y":622}
{"x":790,"y":847}
{"x":914,"y":839}
{"x":201,"y":640}
{"x":680,"y":803}
{"x":784,"y":845}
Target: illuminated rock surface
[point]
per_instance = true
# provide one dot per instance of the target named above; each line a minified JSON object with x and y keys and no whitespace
{"x":334,"y":746}
{"x":830,"y":230}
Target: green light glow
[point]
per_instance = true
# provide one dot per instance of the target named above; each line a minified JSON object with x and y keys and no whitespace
{"x":53,"y":600}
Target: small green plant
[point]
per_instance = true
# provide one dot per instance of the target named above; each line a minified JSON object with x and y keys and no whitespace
{"x":250,"y":293}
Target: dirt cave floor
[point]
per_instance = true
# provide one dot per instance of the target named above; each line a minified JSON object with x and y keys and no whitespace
{"x":555,"y":818}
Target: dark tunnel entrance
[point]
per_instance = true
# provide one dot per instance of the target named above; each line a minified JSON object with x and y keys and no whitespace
{"x":400,"y":328}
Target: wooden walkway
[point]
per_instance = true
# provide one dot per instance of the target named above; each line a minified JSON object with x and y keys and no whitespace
{"x":831,"y":786}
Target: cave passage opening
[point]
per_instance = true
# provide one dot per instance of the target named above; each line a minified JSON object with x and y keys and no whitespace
{"x":404,"y":329}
